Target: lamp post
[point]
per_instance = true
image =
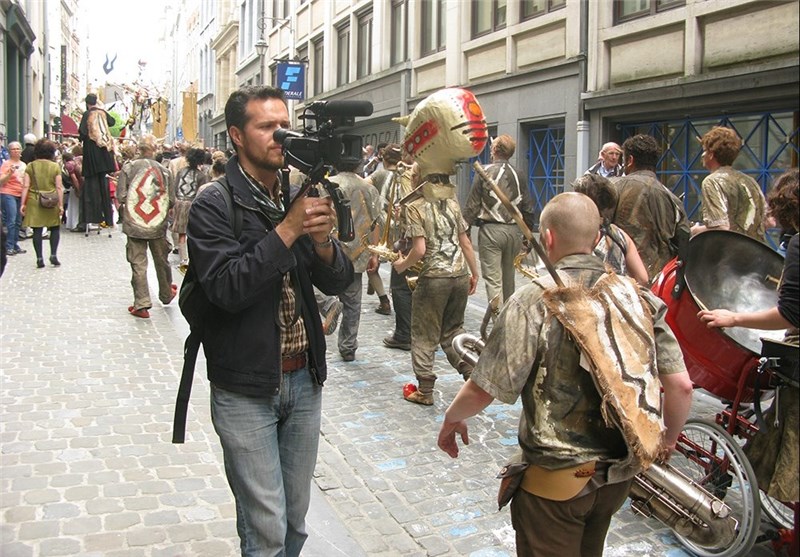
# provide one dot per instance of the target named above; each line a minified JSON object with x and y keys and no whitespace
{"x":261,"y":45}
{"x":261,"y":49}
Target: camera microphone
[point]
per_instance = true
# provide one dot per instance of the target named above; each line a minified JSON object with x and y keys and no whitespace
{"x":344,"y":109}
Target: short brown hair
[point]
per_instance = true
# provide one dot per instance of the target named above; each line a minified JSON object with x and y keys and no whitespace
{"x":504,"y":146}
{"x":783,"y":199}
{"x":724,"y":143}
{"x":600,"y":190}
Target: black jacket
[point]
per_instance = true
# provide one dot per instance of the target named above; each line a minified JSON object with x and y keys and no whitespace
{"x":243,"y":278}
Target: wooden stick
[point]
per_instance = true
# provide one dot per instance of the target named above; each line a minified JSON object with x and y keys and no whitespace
{"x":520,"y":222}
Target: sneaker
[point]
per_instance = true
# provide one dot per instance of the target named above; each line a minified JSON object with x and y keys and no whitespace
{"x":331,"y":320}
{"x":143,"y":313}
{"x":54,"y":261}
{"x":390,"y":342}
{"x":11,"y":252}
{"x":18,"y":251}
{"x":348,"y":356}
{"x":419,"y":398}
{"x":40,"y":263}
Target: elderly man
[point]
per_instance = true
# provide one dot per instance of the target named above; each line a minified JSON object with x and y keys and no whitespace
{"x":579,"y":466}
{"x":145,"y":194}
{"x":608,"y":164}
{"x":731,"y":200}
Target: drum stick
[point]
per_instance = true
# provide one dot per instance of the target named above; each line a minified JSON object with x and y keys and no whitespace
{"x":520,"y":222}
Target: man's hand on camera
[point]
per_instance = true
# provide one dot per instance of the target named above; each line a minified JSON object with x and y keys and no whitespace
{"x":308,"y":215}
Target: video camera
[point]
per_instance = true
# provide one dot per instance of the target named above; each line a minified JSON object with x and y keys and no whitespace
{"x":319,"y":147}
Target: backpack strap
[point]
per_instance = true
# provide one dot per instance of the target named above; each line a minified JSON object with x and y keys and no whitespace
{"x":192,"y":345}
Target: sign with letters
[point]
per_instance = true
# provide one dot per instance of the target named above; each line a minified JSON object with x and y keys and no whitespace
{"x":291,"y":79}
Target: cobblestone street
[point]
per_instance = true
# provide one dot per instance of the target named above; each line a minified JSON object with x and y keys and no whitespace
{"x":87,"y":467}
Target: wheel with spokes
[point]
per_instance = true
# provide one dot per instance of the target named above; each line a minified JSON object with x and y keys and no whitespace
{"x":709,"y":456}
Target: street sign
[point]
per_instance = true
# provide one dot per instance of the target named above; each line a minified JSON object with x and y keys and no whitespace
{"x":291,"y":79}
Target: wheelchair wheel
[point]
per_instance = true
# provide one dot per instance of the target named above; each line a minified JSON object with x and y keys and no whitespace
{"x":709,"y":456}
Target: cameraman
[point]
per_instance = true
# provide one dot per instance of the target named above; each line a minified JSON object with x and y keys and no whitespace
{"x":263,"y":342}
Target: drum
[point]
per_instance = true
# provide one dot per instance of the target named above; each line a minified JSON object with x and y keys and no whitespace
{"x":723,"y":270}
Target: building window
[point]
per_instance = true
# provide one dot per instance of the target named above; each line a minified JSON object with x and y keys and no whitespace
{"x":546,"y":160}
{"x":433,"y":27}
{"x":399,"y":33}
{"x":343,"y":56}
{"x":625,"y":10}
{"x":488,"y":16}
{"x":318,"y":66}
{"x":533,"y":8}
{"x":364,"y":57}
{"x":302,"y":56}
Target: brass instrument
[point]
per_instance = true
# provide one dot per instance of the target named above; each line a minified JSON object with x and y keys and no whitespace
{"x":525,"y":270}
{"x":661,"y":491}
{"x":384,"y":250}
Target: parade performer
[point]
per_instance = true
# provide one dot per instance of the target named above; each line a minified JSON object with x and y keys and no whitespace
{"x":146,"y":195}
{"x":445,"y":127}
{"x":775,"y":452}
{"x":588,"y":360}
{"x":98,"y":161}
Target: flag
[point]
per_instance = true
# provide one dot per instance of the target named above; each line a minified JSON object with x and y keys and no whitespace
{"x":189,"y":119}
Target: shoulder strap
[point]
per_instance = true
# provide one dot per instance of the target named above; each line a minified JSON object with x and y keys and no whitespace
{"x":192,"y":345}
{"x":234,"y":214}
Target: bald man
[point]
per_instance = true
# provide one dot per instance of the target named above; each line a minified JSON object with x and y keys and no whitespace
{"x":608,"y":162}
{"x":578,"y":470}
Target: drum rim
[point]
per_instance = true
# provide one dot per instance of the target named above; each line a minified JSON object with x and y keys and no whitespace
{"x":709,"y":237}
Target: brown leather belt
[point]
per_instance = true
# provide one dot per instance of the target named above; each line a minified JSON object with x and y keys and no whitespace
{"x":293,"y":364}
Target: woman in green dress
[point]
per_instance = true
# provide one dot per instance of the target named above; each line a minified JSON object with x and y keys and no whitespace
{"x":43,"y":175}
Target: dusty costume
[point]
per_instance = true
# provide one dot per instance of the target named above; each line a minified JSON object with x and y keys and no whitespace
{"x":734,"y":199}
{"x":499,"y":239}
{"x":364,"y":202}
{"x":587,"y":352}
{"x":145,"y":196}
{"x":98,"y":160}
{"x":445,"y":127}
{"x":652,"y":216}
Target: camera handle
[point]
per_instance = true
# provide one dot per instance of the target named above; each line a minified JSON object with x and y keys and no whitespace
{"x":341,"y":204}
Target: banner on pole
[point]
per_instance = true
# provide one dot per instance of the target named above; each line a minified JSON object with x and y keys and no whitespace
{"x":291,"y":79}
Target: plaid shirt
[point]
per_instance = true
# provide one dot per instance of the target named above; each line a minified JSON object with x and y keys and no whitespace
{"x":294,"y":340}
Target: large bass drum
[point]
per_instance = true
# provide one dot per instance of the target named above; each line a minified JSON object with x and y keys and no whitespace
{"x":724,"y":270}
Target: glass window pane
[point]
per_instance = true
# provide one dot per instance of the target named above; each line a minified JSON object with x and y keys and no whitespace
{"x":500,"y":14}
{"x":481,"y":17}
{"x":531,"y":8}
{"x":555,"y":4}
{"x":629,"y":8}
{"x":364,"y":58}
{"x":440,"y":10}
{"x":343,"y":64}
{"x":398,"y":34}
{"x":318,"y":67}
{"x":426,"y":29}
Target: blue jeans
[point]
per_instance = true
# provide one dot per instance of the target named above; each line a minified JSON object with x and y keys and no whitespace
{"x":270,"y":450}
{"x":11,"y":218}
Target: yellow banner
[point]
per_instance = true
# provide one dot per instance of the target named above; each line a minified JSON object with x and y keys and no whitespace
{"x":160,"y":118}
{"x":189,"y":121}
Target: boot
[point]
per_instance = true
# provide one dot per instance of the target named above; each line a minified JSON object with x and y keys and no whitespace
{"x":424,"y":394}
{"x":385,"y":308}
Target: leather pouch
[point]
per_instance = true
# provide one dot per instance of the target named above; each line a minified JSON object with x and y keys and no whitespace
{"x":510,"y":477}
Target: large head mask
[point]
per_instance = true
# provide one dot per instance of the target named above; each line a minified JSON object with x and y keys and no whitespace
{"x":445,"y":127}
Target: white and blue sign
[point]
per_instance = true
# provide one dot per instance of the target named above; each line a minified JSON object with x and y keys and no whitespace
{"x":291,"y":79}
